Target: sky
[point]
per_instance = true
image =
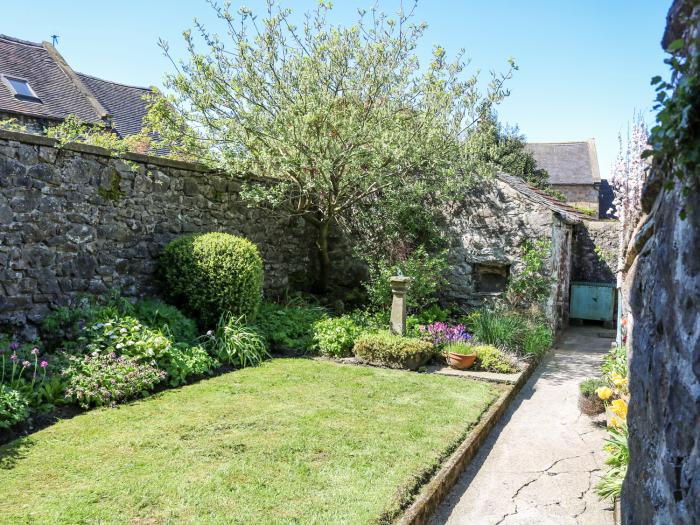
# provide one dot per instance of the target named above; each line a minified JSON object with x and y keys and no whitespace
{"x":585,"y":65}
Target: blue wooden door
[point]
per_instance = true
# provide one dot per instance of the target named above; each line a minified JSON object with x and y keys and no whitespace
{"x":594,"y":301}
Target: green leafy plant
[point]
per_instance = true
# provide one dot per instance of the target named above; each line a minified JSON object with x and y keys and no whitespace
{"x":497,"y":327}
{"x":289,"y":327}
{"x":387,"y":349}
{"x":615,"y":361}
{"x":213,"y":274}
{"x":14,"y":408}
{"x":616,"y":445}
{"x":491,"y":359}
{"x":537,"y":339}
{"x":335,"y":336}
{"x":460,"y":348}
{"x":105,"y":380}
{"x":588,"y":386}
{"x":235,"y":343}
{"x":427,"y":276}
{"x":530,"y":285}
{"x":158,"y":315}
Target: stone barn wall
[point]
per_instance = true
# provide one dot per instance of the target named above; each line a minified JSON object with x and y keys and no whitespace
{"x":488,"y":231}
{"x":76,"y":220}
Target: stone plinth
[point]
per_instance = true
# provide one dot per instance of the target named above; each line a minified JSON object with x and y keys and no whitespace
{"x":399,"y":287}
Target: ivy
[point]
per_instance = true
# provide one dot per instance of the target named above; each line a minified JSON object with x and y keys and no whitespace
{"x":676,"y":137}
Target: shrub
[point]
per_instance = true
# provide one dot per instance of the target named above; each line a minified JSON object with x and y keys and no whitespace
{"x":235,"y":343}
{"x":427,"y":276}
{"x":537,"y":340}
{"x":530,"y":285}
{"x":491,"y":359}
{"x":182,"y":361}
{"x":336,"y":336}
{"x":498,"y":328}
{"x":158,"y":315}
{"x":213,"y":274}
{"x":289,"y":327}
{"x":101,"y":380}
{"x":13,"y":407}
{"x":387,"y":349}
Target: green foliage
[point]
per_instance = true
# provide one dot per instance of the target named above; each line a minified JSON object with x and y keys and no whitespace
{"x":340,"y":117}
{"x":427,"y":277}
{"x":14,"y":408}
{"x":108,"y":379}
{"x":537,"y":339}
{"x":460,"y":348}
{"x":675,"y":140}
{"x":236,"y":344}
{"x":585,"y":210}
{"x":491,"y":359}
{"x":610,"y":485}
{"x":387,"y":349}
{"x":587,"y":387}
{"x":530,"y":286}
{"x":615,"y":361}
{"x":158,"y":315}
{"x":289,"y":327}
{"x":214,"y":274}
{"x":336,"y":336}
{"x":12,"y":124}
{"x":510,"y":331}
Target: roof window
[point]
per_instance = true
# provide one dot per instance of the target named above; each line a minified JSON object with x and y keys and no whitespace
{"x":21,"y":88}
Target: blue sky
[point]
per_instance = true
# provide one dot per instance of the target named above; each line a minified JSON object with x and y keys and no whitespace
{"x":585,"y":65}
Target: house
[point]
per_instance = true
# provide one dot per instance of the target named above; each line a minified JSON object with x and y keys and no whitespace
{"x":38,"y":88}
{"x":573,"y":170}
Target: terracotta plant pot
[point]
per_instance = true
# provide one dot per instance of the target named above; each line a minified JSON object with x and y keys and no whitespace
{"x":460,"y":361}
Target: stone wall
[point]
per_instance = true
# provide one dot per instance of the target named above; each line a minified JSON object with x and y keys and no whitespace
{"x":488,"y":231}
{"x":35,"y":125}
{"x":76,"y":220}
{"x":595,"y":251}
{"x":579,"y":195}
{"x":663,"y":285}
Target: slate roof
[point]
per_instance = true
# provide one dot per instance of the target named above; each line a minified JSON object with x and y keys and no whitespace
{"x":567,"y":213}
{"x":59,"y":94}
{"x":567,"y":162}
{"x":125,"y":104}
{"x":64,"y":92}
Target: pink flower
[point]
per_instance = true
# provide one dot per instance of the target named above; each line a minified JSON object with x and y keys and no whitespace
{"x":14,"y":357}
{"x":44,"y":364}
{"x":35,"y":351}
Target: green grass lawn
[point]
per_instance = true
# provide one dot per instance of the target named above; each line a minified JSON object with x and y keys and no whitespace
{"x":292,"y":441}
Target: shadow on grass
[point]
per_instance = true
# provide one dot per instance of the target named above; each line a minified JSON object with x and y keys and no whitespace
{"x":14,"y":452}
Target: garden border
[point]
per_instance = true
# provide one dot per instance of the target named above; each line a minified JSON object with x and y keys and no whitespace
{"x":435,"y":491}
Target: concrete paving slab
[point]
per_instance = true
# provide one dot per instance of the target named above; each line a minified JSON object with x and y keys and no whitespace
{"x":541,"y":462}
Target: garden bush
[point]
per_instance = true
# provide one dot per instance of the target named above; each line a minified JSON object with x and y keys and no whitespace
{"x":497,"y":327}
{"x":538,"y":338}
{"x":105,"y":380}
{"x":158,"y":315}
{"x":289,"y":327}
{"x":336,"y":336}
{"x":491,"y":359}
{"x":387,"y":349}
{"x":235,"y":343}
{"x":213,"y":274}
{"x":14,"y":408}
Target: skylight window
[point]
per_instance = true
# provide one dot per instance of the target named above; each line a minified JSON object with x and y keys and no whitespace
{"x":21,"y":88}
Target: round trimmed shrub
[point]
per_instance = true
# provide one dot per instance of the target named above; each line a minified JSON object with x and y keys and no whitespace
{"x":211,"y":274}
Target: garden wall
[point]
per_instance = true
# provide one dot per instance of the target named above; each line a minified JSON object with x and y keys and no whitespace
{"x":595,"y":251}
{"x":76,"y":220}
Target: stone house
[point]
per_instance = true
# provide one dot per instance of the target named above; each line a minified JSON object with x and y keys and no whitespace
{"x":38,"y":88}
{"x":573,"y":170}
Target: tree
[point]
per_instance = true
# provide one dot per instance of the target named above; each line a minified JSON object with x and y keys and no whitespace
{"x":332,"y":117}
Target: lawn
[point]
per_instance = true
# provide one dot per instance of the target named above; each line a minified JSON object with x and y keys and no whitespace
{"x":291,"y":441}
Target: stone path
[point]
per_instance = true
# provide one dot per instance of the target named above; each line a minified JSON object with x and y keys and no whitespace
{"x":542,"y":460}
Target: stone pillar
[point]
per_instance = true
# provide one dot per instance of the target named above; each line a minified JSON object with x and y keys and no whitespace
{"x":399,"y":287}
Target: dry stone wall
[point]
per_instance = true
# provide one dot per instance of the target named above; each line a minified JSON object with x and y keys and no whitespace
{"x":596,"y":251}
{"x":76,"y":220}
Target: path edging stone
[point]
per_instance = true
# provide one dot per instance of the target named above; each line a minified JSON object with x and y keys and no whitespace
{"x":432,"y":494}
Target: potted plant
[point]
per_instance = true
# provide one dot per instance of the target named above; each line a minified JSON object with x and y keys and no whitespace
{"x":589,"y":402}
{"x":460,"y":355}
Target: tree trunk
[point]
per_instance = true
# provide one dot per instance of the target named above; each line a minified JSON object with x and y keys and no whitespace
{"x":324,"y":258}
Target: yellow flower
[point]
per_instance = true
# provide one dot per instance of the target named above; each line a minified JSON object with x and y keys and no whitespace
{"x":603,"y":392}
{"x":618,"y":380}
{"x":614,"y":422}
{"x":619,"y":408}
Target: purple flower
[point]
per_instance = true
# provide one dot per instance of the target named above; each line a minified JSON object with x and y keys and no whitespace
{"x":35,"y":351}
{"x":14,"y":357}
{"x":44,"y":364}
{"x":14,"y":345}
